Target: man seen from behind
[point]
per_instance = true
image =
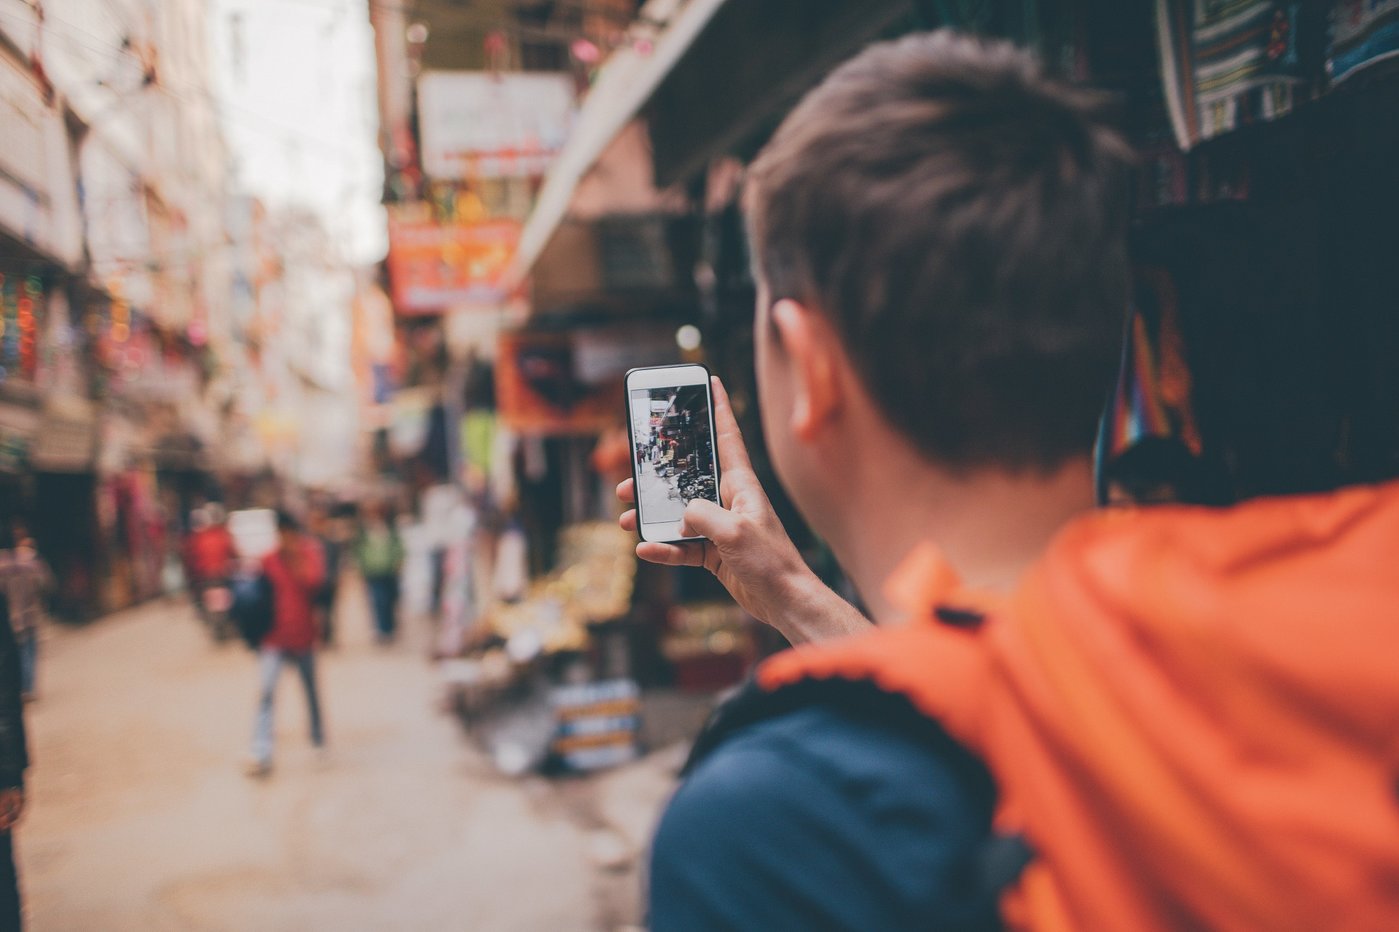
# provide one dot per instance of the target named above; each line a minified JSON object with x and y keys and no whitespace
{"x":1069,"y":719}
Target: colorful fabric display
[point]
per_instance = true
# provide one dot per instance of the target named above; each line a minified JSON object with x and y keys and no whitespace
{"x":1153,"y":397}
{"x":1226,"y":63}
{"x":1363,"y":33}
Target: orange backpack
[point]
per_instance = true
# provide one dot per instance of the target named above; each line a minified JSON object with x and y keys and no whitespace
{"x":1192,"y":715}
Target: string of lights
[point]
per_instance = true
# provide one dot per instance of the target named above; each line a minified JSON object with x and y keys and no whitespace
{"x":21,"y":309}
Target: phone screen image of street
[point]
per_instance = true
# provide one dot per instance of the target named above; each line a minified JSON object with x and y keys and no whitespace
{"x":674,"y":450}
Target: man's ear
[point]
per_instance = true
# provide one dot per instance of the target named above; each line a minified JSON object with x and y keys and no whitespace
{"x":809,"y":344}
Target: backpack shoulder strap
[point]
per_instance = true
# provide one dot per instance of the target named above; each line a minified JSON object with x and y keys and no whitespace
{"x":998,"y":861}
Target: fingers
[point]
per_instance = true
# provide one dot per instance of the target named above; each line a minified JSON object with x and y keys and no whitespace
{"x":11,"y":806}
{"x":671,"y":554}
{"x":706,"y":519}
{"x":626,"y":492}
{"x":729,"y":440}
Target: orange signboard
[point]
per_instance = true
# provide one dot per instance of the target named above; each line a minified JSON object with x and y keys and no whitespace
{"x":539,"y":392}
{"x":434,"y":266}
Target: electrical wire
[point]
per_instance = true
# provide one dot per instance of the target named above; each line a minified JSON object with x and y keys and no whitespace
{"x":100,"y":46}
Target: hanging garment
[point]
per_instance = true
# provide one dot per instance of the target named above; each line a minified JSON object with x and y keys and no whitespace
{"x":1225,"y":63}
{"x":1153,"y":396}
{"x":1363,"y":33}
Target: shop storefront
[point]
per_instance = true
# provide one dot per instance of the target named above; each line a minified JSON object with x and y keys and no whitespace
{"x":1262,"y":213}
{"x":1259,"y":337}
{"x":1262,"y":332}
{"x":547,"y":617}
{"x":19,"y":425}
{"x":47,"y":425}
{"x":65,"y":504}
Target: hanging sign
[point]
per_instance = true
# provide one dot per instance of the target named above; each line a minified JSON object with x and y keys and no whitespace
{"x":539,"y":392}
{"x":435,"y":266}
{"x":477,"y":124}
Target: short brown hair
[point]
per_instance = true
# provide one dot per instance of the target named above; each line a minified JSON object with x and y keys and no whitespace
{"x":961,"y":218}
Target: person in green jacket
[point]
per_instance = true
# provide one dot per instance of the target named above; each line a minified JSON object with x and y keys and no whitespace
{"x":379,"y":554}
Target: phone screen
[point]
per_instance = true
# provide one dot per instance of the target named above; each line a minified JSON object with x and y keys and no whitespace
{"x":673,"y":451}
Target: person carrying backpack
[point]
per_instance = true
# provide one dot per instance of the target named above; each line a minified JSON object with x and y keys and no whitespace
{"x":294,"y":574}
{"x":1145,"y":719}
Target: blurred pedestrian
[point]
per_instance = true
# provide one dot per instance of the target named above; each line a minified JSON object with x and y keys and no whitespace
{"x":209,"y":555}
{"x":1077,"y":718}
{"x":14,"y":761}
{"x":25,"y":579}
{"x":296,"y":572}
{"x":328,"y":533}
{"x":379,"y":553}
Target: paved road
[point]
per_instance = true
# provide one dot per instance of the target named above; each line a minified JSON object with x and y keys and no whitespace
{"x":659,"y":499}
{"x":141,"y":817}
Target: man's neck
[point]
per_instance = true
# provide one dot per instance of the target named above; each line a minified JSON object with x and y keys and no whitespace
{"x":989,"y":526}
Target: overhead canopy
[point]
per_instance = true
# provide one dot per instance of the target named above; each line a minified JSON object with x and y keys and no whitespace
{"x":717,"y":74}
{"x":621,"y":90}
{"x":748,"y":66}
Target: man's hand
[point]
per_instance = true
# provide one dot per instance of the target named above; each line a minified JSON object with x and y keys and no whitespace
{"x":11,"y":807}
{"x":747,"y":548}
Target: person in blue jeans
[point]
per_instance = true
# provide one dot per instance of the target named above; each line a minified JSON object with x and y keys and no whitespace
{"x":296,"y":573}
{"x":379,"y":554}
{"x":270,"y":661}
{"x":14,"y":761}
{"x":25,"y":579}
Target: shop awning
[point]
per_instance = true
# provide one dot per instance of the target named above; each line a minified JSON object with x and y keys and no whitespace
{"x":625,"y":85}
{"x":67,"y":440}
{"x":718,"y":73}
{"x":749,"y":66}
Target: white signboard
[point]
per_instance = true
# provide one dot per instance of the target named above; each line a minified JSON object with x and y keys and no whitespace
{"x":478,"y":124}
{"x":119,"y":235}
{"x":38,"y":200}
{"x":254,"y":532}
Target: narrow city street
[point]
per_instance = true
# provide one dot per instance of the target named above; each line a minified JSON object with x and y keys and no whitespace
{"x":660,"y":501}
{"x":141,"y":816}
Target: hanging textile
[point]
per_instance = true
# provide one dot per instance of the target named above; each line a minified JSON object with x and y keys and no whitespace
{"x":1153,"y":397}
{"x":1363,"y":33}
{"x":1225,"y":63}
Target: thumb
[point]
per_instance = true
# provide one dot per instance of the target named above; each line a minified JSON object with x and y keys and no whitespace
{"x":709,"y":520}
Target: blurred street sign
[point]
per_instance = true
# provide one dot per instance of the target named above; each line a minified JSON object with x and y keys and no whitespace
{"x":435,"y":266}
{"x":480,"y":125}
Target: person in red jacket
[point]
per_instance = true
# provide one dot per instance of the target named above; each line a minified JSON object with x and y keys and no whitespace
{"x":209,"y":555}
{"x":296,"y":573}
{"x":210,"y":549}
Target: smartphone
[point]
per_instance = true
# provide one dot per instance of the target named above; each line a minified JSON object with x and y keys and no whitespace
{"x":670,"y":417}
